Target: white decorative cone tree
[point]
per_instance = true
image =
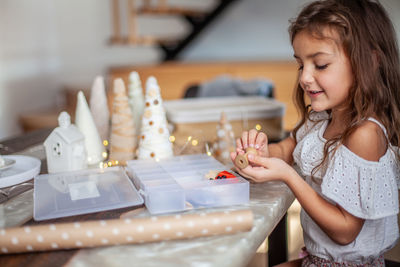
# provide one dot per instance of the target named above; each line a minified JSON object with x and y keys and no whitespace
{"x":154,"y":135}
{"x":123,"y":140}
{"x":99,"y":107}
{"x":225,"y":140}
{"x":136,"y":98}
{"x":85,"y":123}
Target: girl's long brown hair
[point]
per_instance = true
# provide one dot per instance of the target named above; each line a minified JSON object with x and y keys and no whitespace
{"x":369,"y":41}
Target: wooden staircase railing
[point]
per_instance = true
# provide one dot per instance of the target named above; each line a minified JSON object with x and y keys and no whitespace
{"x":171,"y":45}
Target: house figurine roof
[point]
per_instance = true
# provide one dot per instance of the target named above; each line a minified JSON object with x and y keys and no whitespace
{"x":67,"y":131}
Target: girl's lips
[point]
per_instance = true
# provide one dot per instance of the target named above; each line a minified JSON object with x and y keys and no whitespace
{"x":314,"y":93}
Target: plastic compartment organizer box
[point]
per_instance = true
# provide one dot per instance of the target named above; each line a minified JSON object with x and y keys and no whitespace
{"x":179,"y":183}
{"x":198,"y":117}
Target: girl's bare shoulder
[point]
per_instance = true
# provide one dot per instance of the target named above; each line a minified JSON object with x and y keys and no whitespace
{"x":368,"y":141}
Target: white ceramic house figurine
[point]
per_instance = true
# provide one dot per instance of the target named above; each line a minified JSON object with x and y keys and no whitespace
{"x":65,"y":147}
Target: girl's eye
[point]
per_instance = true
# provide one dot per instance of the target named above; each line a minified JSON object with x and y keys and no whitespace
{"x":321,"y":67}
{"x":300,"y":67}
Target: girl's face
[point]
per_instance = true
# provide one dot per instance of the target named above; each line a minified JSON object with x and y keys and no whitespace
{"x":325,"y":72}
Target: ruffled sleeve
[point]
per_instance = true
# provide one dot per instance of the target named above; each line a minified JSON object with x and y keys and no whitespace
{"x":315,"y":119}
{"x":366,"y":189}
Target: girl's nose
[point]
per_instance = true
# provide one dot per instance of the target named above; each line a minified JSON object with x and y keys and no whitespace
{"x":306,"y":78}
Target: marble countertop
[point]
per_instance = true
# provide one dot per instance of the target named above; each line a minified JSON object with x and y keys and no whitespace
{"x":268,"y":202}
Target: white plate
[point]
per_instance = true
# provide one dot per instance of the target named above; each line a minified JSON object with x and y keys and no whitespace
{"x":23,"y":169}
{"x":7,"y":163}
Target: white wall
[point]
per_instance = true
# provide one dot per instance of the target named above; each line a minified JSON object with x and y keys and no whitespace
{"x":257,"y":30}
{"x":250,"y":30}
{"x":46,"y":44}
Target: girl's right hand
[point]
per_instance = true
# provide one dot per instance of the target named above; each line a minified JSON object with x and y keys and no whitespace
{"x":263,"y":169}
{"x":255,"y":139}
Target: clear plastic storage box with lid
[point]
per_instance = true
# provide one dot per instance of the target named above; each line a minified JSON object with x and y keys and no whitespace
{"x":180,"y":183}
{"x":80,"y":192}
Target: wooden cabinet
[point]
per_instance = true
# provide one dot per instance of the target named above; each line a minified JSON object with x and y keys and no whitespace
{"x":175,"y":77}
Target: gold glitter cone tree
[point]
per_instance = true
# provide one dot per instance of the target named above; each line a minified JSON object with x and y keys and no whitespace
{"x":99,"y":107}
{"x":123,"y":139}
{"x":136,"y":98}
{"x":154,"y":135}
{"x":225,"y":140}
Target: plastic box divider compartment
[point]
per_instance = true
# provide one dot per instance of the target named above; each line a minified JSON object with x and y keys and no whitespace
{"x":179,"y":183}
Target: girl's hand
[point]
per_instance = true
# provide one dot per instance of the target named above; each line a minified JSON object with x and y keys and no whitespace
{"x":253,"y":138}
{"x":263,"y":169}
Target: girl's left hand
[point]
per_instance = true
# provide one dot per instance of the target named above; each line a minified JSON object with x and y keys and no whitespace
{"x":263,"y":169}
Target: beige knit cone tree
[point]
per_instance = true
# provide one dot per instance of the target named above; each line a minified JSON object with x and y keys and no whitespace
{"x":225,"y":140}
{"x":99,"y":107}
{"x":123,"y":139}
{"x":154,"y":135}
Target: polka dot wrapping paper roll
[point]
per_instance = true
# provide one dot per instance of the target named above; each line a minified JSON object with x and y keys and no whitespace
{"x":123,"y":231}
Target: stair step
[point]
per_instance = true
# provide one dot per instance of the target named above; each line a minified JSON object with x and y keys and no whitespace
{"x":145,"y":40}
{"x":173,"y":45}
{"x":171,"y":11}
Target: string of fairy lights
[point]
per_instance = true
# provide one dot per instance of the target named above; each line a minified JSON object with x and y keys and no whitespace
{"x":190,"y":141}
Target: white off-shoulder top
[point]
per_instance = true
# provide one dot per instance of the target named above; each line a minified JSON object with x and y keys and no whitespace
{"x":366,"y":189}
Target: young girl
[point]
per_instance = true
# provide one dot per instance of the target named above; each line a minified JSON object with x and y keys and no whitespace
{"x":342,"y":160}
